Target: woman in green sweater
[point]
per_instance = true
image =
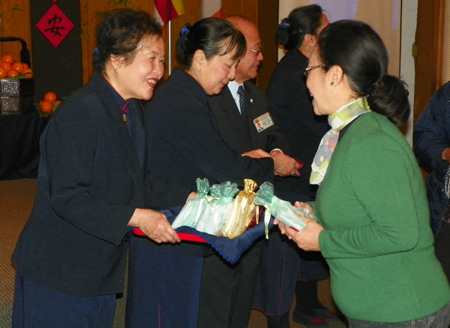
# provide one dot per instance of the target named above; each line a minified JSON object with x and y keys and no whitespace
{"x":373,"y":225}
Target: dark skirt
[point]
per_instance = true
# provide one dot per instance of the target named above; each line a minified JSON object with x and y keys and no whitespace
{"x":282,"y":265}
{"x":443,"y":247}
{"x":38,"y":307}
{"x":163,"y":284}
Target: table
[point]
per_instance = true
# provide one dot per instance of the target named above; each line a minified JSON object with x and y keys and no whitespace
{"x":19,"y":144}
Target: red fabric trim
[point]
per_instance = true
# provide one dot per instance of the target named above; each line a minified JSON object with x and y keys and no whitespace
{"x":182,"y":235}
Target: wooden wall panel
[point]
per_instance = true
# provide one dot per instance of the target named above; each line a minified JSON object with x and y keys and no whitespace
{"x":268,"y":22}
{"x":90,"y":17}
{"x":15,"y":21}
{"x":429,"y":40}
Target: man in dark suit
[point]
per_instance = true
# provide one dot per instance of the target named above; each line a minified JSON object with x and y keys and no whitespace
{"x":256,"y":130}
{"x":245,"y":124}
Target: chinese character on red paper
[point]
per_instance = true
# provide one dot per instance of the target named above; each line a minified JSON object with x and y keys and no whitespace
{"x":55,"y":25}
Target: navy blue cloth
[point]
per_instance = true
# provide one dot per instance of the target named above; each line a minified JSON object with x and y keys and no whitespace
{"x":229,"y":249}
{"x":37,"y":307}
{"x":158,"y":295}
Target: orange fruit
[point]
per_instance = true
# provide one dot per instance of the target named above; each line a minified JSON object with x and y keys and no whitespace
{"x":8,"y":58}
{"x":50,"y":97}
{"x":3,"y":73}
{"x":25,"y":65}
{"x":13,"y":73}
{"x":28,"y":72}
{"x":6,"y":66}
{"x":18,"y":66}
{"x":46,"y":107}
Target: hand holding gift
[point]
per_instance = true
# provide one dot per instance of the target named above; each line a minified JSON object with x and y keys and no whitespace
{"x":280,"y":209}
{"x":194,"y":208}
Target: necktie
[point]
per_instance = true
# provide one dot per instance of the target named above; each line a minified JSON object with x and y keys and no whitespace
{"x":243,"y":105}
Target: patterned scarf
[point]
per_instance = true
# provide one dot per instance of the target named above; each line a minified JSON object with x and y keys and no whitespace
{"x":337,"y":121}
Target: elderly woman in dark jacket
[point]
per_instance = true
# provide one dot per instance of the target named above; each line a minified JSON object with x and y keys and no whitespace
{"x":71,"y":255}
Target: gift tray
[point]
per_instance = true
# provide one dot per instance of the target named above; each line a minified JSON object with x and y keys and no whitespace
{"x":229,"y":249}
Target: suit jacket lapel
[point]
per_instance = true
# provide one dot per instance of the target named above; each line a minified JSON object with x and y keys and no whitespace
{"x":233,"y":115}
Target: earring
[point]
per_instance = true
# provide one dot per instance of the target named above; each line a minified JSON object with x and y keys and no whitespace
{"x":332,"y":83}
{"x":117,"y":69}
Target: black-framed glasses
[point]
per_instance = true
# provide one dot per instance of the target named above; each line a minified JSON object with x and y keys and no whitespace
{"x":310,"y":68}
{"x":256,"y":51}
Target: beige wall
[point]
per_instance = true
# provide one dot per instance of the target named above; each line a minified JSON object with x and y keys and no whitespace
{"x":383,"y":15}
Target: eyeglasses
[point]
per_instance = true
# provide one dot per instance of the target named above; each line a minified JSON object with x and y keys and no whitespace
{"x":256,"y":51}
{"x":310,"y":68}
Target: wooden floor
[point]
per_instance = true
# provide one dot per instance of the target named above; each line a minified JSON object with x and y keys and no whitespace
{"x":16,"y":202}
{"x":258,"y":320}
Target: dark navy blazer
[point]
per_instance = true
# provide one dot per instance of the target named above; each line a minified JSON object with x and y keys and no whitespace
{"x":90,"y":182}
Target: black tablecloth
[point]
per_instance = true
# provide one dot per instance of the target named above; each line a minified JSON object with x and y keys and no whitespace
{"x":19,"y":144}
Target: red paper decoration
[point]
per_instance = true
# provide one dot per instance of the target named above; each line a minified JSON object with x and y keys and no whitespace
{"x":55,"y":25}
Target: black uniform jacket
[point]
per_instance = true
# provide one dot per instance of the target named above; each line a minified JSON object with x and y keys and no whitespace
{"x":185,"y":143}
{"x":232,"y":126}
{"x":90,"y":182}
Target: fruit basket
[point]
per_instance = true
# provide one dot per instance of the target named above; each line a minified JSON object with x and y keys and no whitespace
{"x":17,"y":90}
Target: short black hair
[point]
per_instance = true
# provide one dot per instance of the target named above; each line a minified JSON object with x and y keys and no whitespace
{"x":120,"y":34}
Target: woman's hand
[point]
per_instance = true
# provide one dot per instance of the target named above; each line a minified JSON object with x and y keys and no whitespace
{"x":154,"y":225}
{"x":191,"y":195}
{"x":304,"y":205}
{"x":308,"y":238}
{"x":257,"y":153}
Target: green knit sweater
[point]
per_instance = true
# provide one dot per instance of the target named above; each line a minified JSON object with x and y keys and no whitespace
{"x":377,"y":239}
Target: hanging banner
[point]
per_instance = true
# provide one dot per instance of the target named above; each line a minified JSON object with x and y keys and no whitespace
{"x":55,"y":26}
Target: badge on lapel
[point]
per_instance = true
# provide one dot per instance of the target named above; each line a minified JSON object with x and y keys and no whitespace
{"x":263,"y":122}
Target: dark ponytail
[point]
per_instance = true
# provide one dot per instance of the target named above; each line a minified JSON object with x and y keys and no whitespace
{"x":390,"y":98}
{"x":302,"y":20}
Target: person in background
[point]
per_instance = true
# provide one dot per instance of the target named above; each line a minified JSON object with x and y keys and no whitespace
{"x":184,"y":144}
{"x":373,"y":221}
{"x":432,"y":149}
{"x":71,"y":255}
{"x":286,"y":270}
{"x":238,"y":126}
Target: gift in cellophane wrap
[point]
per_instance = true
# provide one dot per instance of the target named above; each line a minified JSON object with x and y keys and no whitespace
{"x":242,"y":212}
{"x":194,"y":208}
{"x":220,"y":203}
{"x":280,"y":209}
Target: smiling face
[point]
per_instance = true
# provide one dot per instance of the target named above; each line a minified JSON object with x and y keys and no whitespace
{"x":137,"y":79}
{"x":213,"y":74}
{"x":249,"y":64}
{"x":316,"y":83}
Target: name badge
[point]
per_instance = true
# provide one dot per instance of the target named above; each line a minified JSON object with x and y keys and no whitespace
{"x":263,"y":122}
